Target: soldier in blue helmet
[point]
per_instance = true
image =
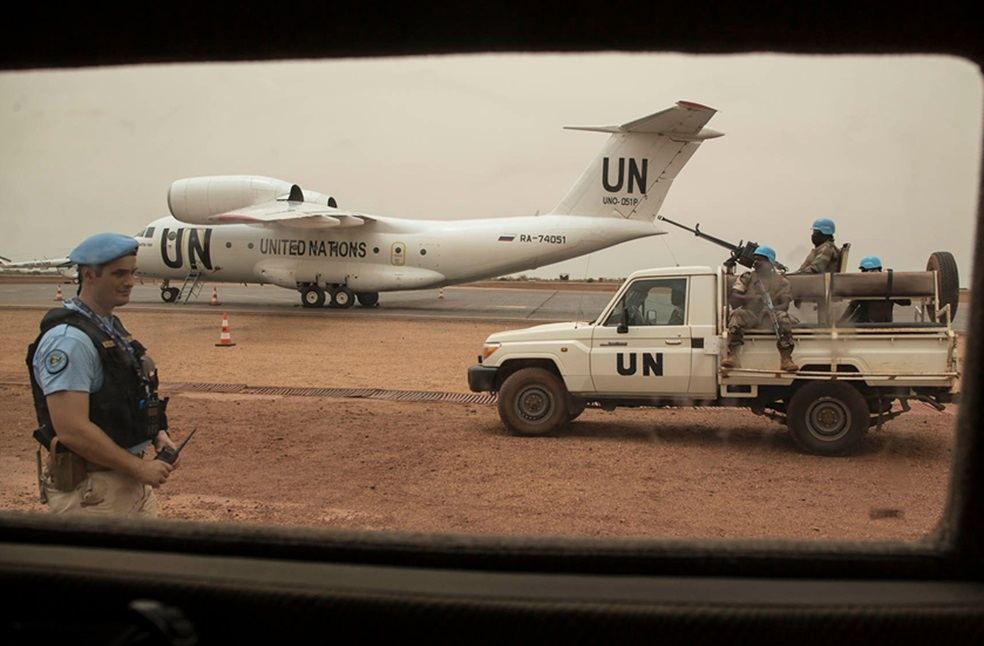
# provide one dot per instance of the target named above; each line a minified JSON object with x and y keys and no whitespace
{"x":825,"y":256}
{"x":95,"y":393}
{"x":751,"y":297}
{"x":879,"y":311}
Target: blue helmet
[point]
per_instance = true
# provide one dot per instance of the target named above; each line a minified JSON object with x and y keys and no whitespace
{"x":824,"y":226}
{"x":870,"y":262}
{"x":766,"y":252}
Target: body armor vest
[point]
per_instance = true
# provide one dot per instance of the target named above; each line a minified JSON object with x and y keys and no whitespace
{"x":126,"y":406}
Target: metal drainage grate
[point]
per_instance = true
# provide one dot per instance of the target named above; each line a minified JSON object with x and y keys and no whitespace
{"x":349,"y":393}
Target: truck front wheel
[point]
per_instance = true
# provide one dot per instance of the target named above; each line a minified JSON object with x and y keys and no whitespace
{"x":533,"y":401}
{"x":828,"y":417}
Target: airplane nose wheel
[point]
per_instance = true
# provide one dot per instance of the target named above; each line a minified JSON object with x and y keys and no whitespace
{"x":313,"y":296}
{"x":169,"y":294}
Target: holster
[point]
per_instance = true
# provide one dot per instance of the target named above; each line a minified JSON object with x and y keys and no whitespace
{"x":66,"y":470}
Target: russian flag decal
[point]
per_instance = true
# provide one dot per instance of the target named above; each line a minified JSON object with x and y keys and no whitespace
{"x":507,"y":238}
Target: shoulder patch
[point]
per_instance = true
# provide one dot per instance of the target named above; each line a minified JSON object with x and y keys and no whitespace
{"x":55,"y":361}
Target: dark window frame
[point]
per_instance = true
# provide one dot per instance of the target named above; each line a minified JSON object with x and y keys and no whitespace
{"x":108,"y":554}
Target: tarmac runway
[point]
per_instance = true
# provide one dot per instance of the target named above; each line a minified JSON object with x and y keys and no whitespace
{"x":458,"y":302}
{"x":513,"y":304}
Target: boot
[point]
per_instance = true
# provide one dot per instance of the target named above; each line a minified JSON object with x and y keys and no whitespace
{"x":731,"y":360}
{"x":786,"y":360}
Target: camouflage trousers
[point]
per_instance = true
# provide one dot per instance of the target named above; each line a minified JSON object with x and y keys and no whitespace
{"x":104,"y":493}
{"x":742,"y":319}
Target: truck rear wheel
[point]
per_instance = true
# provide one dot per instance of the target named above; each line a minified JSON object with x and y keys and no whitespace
{"x":943,"y":263}
{"x":828,"y":417}
{"x":533,"y":401}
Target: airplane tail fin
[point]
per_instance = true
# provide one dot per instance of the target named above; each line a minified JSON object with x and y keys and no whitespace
{"x":631,"y":175}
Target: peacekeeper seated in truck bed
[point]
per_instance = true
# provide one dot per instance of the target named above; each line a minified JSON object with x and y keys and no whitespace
{"x":864,"y":311}
{"x":868,"y":287}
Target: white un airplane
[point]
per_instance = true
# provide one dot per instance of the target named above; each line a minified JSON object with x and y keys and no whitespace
{"x":250,"y":229}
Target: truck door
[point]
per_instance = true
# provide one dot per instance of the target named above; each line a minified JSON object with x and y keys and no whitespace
{"x":651,"y":354}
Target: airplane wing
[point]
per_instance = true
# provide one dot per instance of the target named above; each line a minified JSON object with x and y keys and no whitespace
{"x":300,"y":215}
{"x":45,"y":263}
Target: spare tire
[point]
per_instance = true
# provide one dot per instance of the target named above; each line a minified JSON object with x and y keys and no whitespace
{"x":948,"y":281}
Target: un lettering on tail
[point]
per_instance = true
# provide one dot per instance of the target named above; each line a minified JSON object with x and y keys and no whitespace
{"x":632,"y":174}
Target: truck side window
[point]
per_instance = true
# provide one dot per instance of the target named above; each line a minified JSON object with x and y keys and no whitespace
{"x":652,"y":302}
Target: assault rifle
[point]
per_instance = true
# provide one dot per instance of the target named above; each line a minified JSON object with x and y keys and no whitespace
{"x":772,"y":310}
{"x":742,"y":253}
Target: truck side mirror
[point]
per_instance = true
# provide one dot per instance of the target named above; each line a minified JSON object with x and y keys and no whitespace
{"x":623,"y":327}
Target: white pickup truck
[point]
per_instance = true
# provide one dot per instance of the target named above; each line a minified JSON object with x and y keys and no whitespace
{"x":664,"y":349}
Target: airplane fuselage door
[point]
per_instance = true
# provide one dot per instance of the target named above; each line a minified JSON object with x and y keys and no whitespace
{"x":398,"y":254}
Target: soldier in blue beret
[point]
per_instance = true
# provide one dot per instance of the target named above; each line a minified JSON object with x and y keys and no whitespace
{"x":760,"y":298}
{"x":879,"y":311}
{"x":825,"y":256}
{"x":95,"y":393}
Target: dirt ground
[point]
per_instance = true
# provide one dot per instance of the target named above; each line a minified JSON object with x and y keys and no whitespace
{"x":442,"y":467}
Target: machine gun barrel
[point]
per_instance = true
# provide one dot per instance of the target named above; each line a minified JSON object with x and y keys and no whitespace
{"x":700,"y":234}
{"x":742,"y":253}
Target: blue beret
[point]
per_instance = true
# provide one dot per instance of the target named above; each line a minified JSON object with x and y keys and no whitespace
{"x":102,"y":248}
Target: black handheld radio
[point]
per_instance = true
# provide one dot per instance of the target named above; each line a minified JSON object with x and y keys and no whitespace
{"x":169,"y":455}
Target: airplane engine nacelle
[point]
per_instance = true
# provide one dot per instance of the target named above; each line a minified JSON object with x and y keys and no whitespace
{"x":195,"y":199}
{"x":319,"y":198}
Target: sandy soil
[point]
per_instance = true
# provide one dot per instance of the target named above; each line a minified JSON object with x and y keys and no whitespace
{"x":427,"y":467}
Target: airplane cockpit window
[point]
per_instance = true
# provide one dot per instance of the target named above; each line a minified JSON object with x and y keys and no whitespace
{"x":417,"y":360}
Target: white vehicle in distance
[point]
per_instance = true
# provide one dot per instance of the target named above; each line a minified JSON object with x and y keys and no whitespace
{"x":667,"y":353}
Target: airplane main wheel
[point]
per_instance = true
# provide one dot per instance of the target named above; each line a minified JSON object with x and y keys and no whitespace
{"x":344,"y":298}
{"x":313,"y":296}
{"x":368,"y":299}
{"x":169,"y":294}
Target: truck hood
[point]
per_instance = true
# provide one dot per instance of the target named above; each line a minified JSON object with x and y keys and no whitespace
{"x":568,"y":331}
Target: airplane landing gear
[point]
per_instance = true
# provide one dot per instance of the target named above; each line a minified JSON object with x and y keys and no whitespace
{"x":312,"y":296}
{"x":169,"y":294}
{"x":368,"y":299}
{"x":342,"y":298}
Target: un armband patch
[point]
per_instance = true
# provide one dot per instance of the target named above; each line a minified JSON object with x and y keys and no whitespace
{"x":55,"y":361}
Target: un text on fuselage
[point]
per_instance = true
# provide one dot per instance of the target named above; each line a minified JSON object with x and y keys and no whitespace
{"x":199,"y":247}
{"x":194,"y":246}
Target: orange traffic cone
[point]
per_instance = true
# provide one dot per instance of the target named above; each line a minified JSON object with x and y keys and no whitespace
{"x":440,"y":294}
{"x":225,"y":340}
{"x":215,"y":298}
{"x":58,"y":294}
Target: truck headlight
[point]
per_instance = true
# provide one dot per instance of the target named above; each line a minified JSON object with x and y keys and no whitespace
{"x":488,"y":349}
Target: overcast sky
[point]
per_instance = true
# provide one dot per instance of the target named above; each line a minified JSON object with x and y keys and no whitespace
{"x":888,"y":147}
